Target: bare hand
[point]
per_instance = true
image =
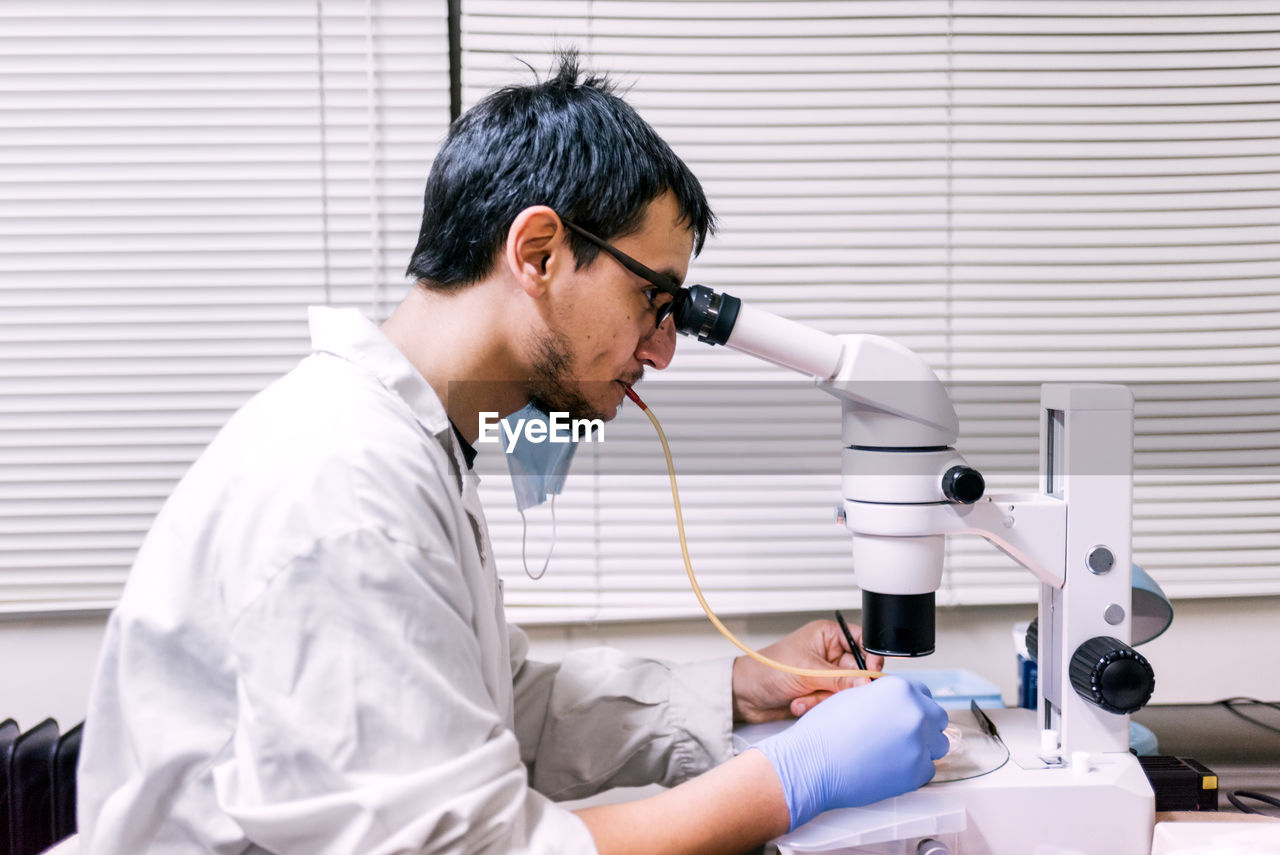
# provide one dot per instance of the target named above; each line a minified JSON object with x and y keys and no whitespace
{"x":761,"y":693}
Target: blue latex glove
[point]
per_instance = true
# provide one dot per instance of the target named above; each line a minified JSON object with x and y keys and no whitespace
{"x":858,"y":746}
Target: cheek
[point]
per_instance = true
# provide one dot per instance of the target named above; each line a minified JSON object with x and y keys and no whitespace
{"x":605,"y":349}
{"x":609,"y":333}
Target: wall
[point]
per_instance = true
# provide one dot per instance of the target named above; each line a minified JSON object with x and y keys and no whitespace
{"x":1215,"y":649}
{"x":46,"y":665}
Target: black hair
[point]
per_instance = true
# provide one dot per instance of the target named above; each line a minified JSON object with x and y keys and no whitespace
{"x":567,"y":143}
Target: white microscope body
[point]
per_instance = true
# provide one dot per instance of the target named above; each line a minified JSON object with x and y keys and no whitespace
{"x":1071,"y":785}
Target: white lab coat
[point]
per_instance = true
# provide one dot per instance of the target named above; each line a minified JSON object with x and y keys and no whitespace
{"x":310,"y":655}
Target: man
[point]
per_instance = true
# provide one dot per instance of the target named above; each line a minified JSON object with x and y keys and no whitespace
{"x":310,"y":655}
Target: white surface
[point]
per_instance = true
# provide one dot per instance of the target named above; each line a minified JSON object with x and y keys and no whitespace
{"x":1092,"y":471}
{"x":910,"y":817}
{"x":70,"y":846}
{"x":785,"y":342}
{"x":46,"y":666}
{"x":1216,"y":838}
{"x":1024,"y":806}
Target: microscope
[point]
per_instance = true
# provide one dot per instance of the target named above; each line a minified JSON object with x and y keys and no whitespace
{"x":1070,"y":784}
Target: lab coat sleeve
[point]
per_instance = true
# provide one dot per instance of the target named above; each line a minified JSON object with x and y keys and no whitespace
{"x":363,"y":724}
{"x":602,"y":718}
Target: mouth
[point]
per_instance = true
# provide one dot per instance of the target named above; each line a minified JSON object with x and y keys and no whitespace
{"x":624,"y":384}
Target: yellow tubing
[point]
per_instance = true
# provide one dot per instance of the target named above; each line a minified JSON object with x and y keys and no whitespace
{"x":688,"y":566}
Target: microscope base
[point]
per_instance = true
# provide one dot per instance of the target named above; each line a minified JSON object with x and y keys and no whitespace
{"x":1026,"y":806}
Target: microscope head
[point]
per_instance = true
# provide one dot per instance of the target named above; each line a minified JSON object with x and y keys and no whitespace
{"x":898,"y":428}
{"x":897,"y":568}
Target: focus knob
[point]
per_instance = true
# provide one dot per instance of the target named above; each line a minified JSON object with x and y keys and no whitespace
{"x":1111,"y":674}
{"x":963,"y":484}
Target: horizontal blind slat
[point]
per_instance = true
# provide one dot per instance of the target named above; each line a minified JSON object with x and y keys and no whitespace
{"x":167,"y":185}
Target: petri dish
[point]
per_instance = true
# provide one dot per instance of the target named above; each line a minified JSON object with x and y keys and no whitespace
{"x":972,"y":754}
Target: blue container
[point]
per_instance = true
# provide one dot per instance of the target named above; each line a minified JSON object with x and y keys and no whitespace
{"x":953,"y":688}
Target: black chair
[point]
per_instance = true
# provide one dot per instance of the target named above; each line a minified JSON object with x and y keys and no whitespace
{"x":8,"y":736}
{"x":65,"y":758}
{"x":31,"y":789}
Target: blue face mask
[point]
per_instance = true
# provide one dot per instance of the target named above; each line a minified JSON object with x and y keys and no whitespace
{"x":538,"y":470}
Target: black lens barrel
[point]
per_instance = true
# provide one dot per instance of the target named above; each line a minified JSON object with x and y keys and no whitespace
{"x":898,"y":624}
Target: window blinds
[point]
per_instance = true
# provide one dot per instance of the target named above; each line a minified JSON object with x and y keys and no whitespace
{"x":1081,"y":190}
{"x":1020,"y":192}
{"x":177,"y":183}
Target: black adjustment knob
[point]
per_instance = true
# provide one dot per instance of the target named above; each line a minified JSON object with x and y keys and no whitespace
{"x":963,"y":484}
{"x":1033,"y":639}
{"x":1111,"y":674}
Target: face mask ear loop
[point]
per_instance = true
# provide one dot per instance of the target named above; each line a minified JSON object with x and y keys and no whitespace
{"x":524,"y":533}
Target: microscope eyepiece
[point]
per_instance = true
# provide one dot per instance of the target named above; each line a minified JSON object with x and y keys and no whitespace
{"x":707,"y":314}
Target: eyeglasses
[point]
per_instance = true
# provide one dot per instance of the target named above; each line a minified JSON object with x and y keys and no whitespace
{"x":663,"y":283}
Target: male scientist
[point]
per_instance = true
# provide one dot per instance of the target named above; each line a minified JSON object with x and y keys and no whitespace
{"x":310,"y":655}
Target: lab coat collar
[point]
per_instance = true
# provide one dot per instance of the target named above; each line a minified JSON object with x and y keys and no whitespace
{"x":349,"y":335}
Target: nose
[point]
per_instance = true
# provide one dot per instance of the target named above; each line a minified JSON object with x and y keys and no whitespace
{"x":658,"y":346}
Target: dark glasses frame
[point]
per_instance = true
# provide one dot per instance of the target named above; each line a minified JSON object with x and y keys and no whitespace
{"x":658,"y":280}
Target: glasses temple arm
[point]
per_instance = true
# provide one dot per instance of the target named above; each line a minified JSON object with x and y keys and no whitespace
{"x":666,"y":283}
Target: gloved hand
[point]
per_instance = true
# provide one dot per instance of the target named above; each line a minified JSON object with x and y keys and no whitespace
{"x":858,"y":746}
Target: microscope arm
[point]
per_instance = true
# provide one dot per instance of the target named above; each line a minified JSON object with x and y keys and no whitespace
{"x":1028,"y":527}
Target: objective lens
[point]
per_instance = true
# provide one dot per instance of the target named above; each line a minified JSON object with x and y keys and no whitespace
{"x":898,"y":624}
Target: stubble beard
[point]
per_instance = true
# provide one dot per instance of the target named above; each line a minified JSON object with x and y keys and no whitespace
{"x":551,"y":386}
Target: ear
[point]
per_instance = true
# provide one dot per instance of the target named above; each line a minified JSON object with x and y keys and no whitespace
{"x":535,"y":248}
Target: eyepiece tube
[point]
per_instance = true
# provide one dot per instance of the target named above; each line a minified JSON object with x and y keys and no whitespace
{"x":718,"y":318}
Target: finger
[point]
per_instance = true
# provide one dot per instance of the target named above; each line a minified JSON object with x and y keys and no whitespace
{"x":834,"y":646}
{"x":847,"y":662}
{"x":937,"y":716}
{"x":801,"y":705}
{"x":939,"y":745}
{"x":927,"y":771}
{"x":827,"y":647}
{"x":804,"y":703}
{"x":875,"y":662}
